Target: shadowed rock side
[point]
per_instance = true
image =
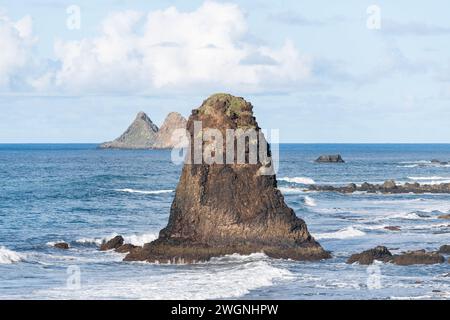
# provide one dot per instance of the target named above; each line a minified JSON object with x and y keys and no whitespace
{"x":173,"y":121}
{"x":388,"y":187}
{"x":222,"y":209}
{"x":141,"y":134}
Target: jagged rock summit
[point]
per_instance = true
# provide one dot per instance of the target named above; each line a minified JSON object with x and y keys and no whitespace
{"x":144,"y":134}
{"x":222,"y":209}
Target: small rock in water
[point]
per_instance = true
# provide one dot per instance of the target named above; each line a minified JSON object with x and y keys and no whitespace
{"x":114,"y":243}
{"x":418,"y":257}
{"x":445,"y":216}
{"x":61,"y":245}
{"x":125,"y":248}
{"x":389,"y":184}
{"x":445,"y":249}
{"x":367,"y":257}
{"x":393,"y":228}
{"x":330,"y":159}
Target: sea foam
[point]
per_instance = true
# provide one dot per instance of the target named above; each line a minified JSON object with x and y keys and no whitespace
{"x":8,"y":256}
{"x":144,"y":191}
{"x":310,"y":202}
{"x":349,"y":232}
{"x":298,"y":180}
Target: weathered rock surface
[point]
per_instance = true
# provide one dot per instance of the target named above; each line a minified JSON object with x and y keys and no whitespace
{"x":141,"y":134}
{"x":418,"y":257}
{"x":367,"y":257}
{"x":125,"y":248}
{"x":381,"y":253}
{"x":388,"y":187}
{"x":61,"y":245}
{"x":229,"y":208}
{"x":330,"y":159}
{"x":173,"y":121}
{"x":114,"y":243}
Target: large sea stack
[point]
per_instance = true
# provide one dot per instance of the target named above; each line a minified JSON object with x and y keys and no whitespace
{"x":164,"y":138}
{"x":141,"y":134}
{"x":228,"y":208}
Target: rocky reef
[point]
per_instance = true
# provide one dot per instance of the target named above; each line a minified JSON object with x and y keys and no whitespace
{"x":144,"y":134}
{"x":228,"y":208}
{"x":388,"y":187}
{"x":335,"y":158}
{"x":381,"y":253}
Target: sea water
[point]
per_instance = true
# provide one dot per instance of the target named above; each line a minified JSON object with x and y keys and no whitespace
{"x":82,"y":195}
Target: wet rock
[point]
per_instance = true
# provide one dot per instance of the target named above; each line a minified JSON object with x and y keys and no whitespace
{"x":222,"y":209}
{"x":61,"y":245}
{"x":389,"y":184}
{"x":114,"y":243}
{"x":418,"y":257}
{"x":393,"y":228}
{"x":125,"y":248}
{"x":330,"y":159}
{"x":367,"y":257}
{"x":445,"y":216}
{"x":445,"y":249}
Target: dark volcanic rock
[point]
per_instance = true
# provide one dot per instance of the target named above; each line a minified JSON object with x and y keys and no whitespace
{"x":445,"y":249}
{"x":379,"y":253}
{"x":141,"y":134}
{"x":114,"y":243}
{"x":330,"y":159}
{"x":125,"y":248}
{"x":418,"y":257}
{"x":61,"y":245}
{"x":230,"y":208}
{"x":388,"y":187}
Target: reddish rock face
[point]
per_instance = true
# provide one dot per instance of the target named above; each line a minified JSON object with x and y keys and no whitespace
{"x":228,"y":208}
{"x":164,"y":139}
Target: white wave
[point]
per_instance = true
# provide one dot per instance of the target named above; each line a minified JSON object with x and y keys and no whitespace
{"x":422,"y":163}
{"x":52,"y":243}
{"x":310,"y":202}
{"x":349,"y":232}
{"x":144,"y":191}
{"x":135,"y":239}
{"x":213,"y":280}
{"x":298,"y":180}
{"x":431,"y":179}
{"x":140,"y":239}
{"x":8,"y":256}
{"x":291,"y":190}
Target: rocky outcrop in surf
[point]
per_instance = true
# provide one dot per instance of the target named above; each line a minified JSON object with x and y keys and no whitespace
{"x":228,"y":208}
{"x":61,"y":245}
{"x":334,"y":158}
{"x":382,"y":254}
{"x":144,"y":134}
{"x":388,"y":187}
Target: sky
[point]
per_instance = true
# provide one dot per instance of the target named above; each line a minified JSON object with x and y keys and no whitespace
{"x":349,"y":71}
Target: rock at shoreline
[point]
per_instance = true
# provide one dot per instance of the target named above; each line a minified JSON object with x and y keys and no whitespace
{"x":61,"y":245}
{"x":388,"y":187}
{"x":381,"y":253}
{"x":125,"y":248}
{"x":141,"y":134}
{"x":330,"y":159}
{"x":445,"y":249}
{"x":114,"y":243}
{"x":418,"y":257}
{"x":164,"y":139}
{"x":222,"y":209}
{"x":445,"y":216}
{"x":367,"y":257}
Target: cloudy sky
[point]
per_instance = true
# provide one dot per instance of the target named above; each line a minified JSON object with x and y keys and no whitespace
{"x":320,"y":71}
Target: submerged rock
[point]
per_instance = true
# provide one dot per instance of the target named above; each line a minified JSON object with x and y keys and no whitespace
{"x":330,"y":159}
{"x":367,"y":257}
{"x":114,"y":243}
{"x":393,"y":228}
{"x":61,"y":245}
{"x":141,"y":134}
{"x":222,"y":209}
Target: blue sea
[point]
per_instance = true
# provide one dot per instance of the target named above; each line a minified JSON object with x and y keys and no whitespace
{"x":82,"y":195}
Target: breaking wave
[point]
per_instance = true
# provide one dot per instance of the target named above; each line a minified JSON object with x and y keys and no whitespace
{"x":144,"y":191}
{"x":310,"y":202}
{"x":349,"y":232}
{"x":298,"y":180}
{"x":135,"y":239}
{"x":8,"y":256}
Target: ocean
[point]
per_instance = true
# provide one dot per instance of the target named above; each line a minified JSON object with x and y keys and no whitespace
{"x":81,"y":195}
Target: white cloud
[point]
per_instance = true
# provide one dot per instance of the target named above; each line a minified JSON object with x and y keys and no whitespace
{"x":16,"y":39}
{"x":172,"y":50}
